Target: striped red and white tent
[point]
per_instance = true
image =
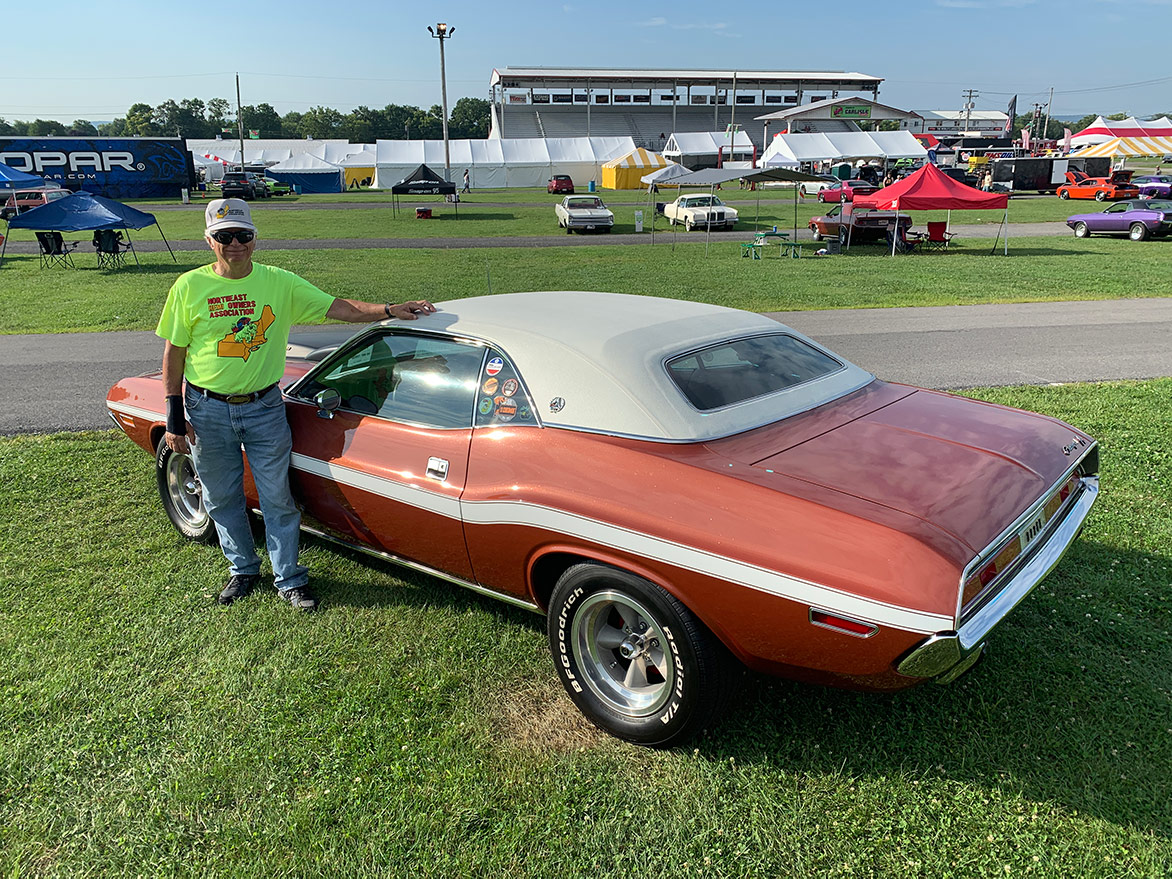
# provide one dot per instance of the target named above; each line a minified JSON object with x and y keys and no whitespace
{"x":1101,"y":131}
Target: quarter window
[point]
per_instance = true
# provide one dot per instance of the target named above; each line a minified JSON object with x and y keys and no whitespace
{"x":414,"y":379}
{"x":501,"y":397}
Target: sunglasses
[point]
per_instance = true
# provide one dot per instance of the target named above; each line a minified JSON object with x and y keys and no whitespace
{"x":225,"y":236}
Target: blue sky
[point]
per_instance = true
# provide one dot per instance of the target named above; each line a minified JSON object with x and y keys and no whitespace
{"x":297,"y":54}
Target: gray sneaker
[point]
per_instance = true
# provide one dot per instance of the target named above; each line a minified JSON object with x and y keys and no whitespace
{"x":300,"y":597}
{"x":238,"y":586}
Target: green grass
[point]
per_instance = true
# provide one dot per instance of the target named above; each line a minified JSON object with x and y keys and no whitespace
{"x":413,"y":729}
{"x":1036,"y":269}
{"x":512,"y":213}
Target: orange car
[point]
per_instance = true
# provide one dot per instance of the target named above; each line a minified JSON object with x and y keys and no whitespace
{"x":1117,"y":186}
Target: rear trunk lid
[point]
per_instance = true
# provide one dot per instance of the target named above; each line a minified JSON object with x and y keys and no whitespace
{"x":966,"y":467}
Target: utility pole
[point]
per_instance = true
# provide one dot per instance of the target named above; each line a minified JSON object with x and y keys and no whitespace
{"x":1046,"y":124}
{"x":239,"y":122}
{"x":969,"y":95}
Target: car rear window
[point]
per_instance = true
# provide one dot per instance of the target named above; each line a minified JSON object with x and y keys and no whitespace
{"x":744,"y":369}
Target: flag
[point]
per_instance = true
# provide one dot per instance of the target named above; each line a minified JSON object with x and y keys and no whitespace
{"x":1011,"y":112}
{"x":1025,"y":139}
{"x":1066,"y":136}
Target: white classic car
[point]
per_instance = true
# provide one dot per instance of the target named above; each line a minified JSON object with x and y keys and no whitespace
{"x":697,"y":211}
{"x":583,"y":212}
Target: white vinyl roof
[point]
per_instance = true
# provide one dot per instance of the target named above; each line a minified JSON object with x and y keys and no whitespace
{"x":832,"y":145}
{"x":603,"y":354}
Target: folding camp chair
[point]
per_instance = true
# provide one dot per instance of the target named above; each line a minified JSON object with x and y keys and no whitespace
{"x":54,"y":251}
{"x":937,"y":238}
{"x":111,"y":248}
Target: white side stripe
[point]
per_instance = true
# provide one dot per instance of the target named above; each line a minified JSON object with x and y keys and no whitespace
{"x":146,"y":414}
{"x":634,"y":542}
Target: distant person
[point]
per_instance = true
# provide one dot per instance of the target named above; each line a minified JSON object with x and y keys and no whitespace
{"x":987,"y":183}
{"x":888,"y":179}
{"x":467,"y":182}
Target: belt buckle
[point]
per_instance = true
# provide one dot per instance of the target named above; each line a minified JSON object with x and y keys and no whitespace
{"x":239,"y":398}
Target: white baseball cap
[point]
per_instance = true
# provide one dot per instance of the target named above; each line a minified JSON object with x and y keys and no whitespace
{"x":228,"y":213}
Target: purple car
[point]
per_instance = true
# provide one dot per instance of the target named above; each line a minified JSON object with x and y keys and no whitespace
{"x":1138,"y":219}
{"x":1154,"y":185}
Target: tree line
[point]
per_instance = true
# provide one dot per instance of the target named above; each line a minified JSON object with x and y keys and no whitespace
{"x":194,"y":118}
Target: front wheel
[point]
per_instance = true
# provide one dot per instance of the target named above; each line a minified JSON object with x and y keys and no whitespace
{"x":634,"y":659}
{"x":1064,"y":195}
{"x":817,"y":234}
{"x":1081,"y":230}
{"x":182,"y":499}
{"x":689,"y":225}
{"x":1138,"y":232}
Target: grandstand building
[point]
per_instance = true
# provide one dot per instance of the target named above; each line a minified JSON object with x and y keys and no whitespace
{"x":650,"y":105}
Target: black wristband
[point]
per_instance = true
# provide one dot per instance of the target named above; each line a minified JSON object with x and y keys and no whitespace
{"x":387,"y":309}
{"x":176,"y":423}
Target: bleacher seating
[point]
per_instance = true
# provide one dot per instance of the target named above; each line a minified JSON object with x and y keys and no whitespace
{"x":643,"y":124}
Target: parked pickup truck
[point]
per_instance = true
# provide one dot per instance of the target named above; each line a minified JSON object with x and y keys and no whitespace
{"x":698,"y":211}
{"x":867,"y":225}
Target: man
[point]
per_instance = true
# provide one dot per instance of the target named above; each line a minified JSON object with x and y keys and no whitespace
{"x":226,"y":327}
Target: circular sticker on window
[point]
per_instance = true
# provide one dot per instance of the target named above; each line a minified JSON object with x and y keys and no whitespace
{"x":490,"y":385}
{"x":523,"y":413}
{"x":485,"y":405}
{"x":557,"y":404}
{"x":494,"y":366}
{"x":509,"y":388}
{"x":506,"y":408}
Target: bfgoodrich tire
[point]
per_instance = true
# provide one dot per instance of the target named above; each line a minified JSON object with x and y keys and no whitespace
{"x":180,"y":492}
{"x":633,"y":659}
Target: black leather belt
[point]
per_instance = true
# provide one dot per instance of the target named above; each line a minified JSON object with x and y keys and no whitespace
{"x":232,"y":398}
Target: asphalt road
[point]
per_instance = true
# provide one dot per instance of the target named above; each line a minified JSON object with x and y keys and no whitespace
{"x":59,"y":382}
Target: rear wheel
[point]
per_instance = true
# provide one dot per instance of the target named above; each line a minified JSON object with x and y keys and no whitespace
{"x":1138,"y":232}
{"x":1081,"y":230}
{"x":633,"y":659}
{"x":1100,"y":196}
{"x":182,"y":499}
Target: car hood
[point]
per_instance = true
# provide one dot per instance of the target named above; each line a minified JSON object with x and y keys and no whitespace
{"x":966,"y":467}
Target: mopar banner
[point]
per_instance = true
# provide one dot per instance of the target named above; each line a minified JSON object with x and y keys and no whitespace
{"x":114,"y":167}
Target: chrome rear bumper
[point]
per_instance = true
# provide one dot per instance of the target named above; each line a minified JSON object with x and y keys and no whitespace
{"x":941,"y":652}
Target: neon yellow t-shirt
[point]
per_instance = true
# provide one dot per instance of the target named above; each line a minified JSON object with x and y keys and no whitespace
{"x":236,"y":331}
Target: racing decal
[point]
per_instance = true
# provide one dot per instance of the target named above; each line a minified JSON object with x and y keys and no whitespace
{"x":485,"y":405}
{"x":247,"y":335}
{"x":557,"y":404}
{"x":494,"y":366}
{"x":523,"y":413}
{"x":490,"y":385}
{"x":509,"y":388}
{"x":506,"y":408}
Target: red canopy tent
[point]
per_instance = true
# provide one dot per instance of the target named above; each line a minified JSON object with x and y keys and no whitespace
{"x":928,"y":189}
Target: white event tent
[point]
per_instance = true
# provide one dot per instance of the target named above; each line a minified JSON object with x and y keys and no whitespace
{"x":309,"y":174}
{"x":498,"y":163}
{"x":791,"y":149}
{"x":683,"y":146}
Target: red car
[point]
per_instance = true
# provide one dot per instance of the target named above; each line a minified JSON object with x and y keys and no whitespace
{"x":560,"y":183}
{"x":1117,"y":186}
{"x":846,"y":190}
{"x":681,"y":489}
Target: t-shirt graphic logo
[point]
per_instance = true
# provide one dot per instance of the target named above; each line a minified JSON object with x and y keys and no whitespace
{"x":246,"y":336}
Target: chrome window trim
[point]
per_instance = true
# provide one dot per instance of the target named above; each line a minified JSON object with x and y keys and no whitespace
{"x":380,"y":330}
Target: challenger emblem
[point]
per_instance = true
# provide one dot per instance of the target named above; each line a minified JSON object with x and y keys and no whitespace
{"x":1071,"y":446}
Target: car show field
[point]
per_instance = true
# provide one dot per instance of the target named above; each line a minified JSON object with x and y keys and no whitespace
{"x":410,"y":722}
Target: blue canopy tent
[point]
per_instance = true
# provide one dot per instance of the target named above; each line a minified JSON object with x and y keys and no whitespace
{"x":12,"y":178}
{"x":83,"y":212}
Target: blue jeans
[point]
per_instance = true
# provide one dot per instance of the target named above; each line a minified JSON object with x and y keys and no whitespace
{"x":221,"y":429}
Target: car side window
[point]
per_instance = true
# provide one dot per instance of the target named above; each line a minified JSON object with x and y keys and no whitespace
{"x":404,"y":377}
{"x":501,"y":397}
{"x":1118,"y":208}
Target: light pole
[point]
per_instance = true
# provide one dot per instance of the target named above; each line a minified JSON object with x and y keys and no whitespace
{"x":441,"y":33}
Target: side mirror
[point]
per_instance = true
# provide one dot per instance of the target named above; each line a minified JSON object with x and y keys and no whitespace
{"x":327,"y":401}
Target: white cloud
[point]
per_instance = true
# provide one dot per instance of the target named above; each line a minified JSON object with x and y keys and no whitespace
{"x":658,"y":21}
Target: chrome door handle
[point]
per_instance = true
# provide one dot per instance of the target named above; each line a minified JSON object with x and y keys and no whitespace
{"x":437,"y":468}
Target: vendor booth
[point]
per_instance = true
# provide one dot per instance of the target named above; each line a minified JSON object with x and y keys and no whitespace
{"x":308,"y":173}
{"x":626,"y":172}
